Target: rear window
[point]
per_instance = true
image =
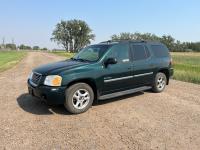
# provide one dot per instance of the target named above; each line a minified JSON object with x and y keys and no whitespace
{"x":140,"y":52}
{"x":160,"y":50}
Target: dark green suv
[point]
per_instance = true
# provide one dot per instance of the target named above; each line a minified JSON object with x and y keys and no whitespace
{"x":102,"y":71}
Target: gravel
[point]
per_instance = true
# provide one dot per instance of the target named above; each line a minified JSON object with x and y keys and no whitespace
{"x":144,"y":120}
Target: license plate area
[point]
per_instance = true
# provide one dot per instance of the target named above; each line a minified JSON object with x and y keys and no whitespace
{"x":30,"y":91}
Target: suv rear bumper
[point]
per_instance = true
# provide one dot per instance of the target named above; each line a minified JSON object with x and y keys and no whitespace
{"x":51,"y":95}
{"x":171,"y":72}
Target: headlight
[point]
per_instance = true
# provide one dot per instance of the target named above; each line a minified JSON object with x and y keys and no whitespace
{"x":53,"y":80}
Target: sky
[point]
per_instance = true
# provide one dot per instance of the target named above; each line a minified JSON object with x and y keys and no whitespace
{"x":31,"y":22}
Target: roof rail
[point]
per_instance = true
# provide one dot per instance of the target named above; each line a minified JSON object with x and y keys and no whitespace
{"x":109,"y":41}
{"x":124,"y":40}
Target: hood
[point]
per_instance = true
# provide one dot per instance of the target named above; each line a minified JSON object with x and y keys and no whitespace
{"x":58,"y":66}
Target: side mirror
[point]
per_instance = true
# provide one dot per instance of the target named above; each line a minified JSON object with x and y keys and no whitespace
{"x":110,"y":61}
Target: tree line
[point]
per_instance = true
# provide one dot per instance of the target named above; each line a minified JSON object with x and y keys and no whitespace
{"x":10,"y":46}
{"x":168,"y":40}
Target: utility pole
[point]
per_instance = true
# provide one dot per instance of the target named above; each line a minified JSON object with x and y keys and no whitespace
{"x":3,"y":42}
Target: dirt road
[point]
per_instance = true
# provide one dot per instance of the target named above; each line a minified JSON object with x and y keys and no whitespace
{"x":169,"y":120}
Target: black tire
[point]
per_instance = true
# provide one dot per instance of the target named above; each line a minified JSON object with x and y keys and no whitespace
{"x":71,"y":98}
{"x":160,"y":82}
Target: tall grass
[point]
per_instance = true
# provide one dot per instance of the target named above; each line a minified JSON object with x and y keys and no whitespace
{"x":187,"y":67}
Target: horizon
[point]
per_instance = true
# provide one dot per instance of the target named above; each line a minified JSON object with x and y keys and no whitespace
{"x":32,"y":22}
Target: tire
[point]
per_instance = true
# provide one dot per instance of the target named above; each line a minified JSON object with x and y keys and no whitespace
{"x":78,"y":98}
{"x":159,"y":82}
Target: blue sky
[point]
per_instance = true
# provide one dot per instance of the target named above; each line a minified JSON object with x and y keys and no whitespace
{"x":32,"y":21}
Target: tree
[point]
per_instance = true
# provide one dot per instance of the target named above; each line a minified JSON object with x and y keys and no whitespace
{"x":72,"y":34}
{"x":168,"y":40}
{"x":135,"y":36}
{"x":11,"y":46}
{"x":23,"y":47}
{"x":44,"y":49}
{"x":193,"y":46}
{"x":123,"y":36}
{"x":36,"y":47}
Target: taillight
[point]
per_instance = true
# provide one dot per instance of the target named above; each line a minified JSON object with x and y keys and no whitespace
{"x":170,"y":63}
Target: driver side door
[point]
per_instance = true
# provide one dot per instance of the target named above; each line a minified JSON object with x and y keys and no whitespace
{"x":118,"y":77}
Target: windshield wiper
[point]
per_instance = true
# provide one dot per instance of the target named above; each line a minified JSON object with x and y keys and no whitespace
{"x":80,"y":59}
{"x":83,"y":60}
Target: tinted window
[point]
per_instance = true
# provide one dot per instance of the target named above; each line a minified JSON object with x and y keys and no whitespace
{"x":140,"y":52}
{"x":147,"y":52}
{"x":92,"y":53}
{"x":120,"y":52}
{"x":160,"y":50}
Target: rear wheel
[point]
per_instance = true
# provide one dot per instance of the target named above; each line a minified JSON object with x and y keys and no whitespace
{"x":79,"y":98}
{"x":159,"y":82}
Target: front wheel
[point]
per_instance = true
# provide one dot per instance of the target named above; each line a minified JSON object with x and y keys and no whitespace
{"x":159,"y":82}
{"x":79,"y":98}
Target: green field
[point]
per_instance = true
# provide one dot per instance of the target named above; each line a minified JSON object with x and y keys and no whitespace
{"x":10,"y":58}
{"x":186,"y":66}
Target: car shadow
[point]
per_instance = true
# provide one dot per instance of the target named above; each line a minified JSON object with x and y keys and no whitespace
{"x":36,"y":106}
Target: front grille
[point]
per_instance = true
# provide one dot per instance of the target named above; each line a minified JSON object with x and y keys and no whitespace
{"x":35,"y":79}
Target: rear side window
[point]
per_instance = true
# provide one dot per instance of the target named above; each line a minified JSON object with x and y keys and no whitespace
{"x":160,"y":50}
{"x":140,"y":52}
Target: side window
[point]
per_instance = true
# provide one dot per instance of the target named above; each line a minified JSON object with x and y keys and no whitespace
{"x":160,"y":50}
{"x":120,"y":52}
{"x":140,"y":52}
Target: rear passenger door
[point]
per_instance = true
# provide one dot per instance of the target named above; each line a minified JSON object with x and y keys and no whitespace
{"x":142,"y":68}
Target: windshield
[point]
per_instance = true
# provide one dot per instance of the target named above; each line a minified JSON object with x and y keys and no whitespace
{"x":92,"y":53}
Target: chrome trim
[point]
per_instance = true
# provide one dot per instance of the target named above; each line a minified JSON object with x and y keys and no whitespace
{"x":38,"y":80}
{"x":117,"y":79}
{"x":33,"y":84}
{"x":143,"y":74}
{"x":37,"y":73}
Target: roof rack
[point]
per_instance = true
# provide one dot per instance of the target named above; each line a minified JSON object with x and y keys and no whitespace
{"x":109,"y":41}
{"x":128,"y":40}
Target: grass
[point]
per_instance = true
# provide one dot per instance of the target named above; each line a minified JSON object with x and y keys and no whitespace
{"x":10,"y":58}
{"x":65,"y":54}
{"x":186,"y":66}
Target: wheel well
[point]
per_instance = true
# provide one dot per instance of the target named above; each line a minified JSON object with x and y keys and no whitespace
{"x":90,"y":82}
{"x":166,"y":72}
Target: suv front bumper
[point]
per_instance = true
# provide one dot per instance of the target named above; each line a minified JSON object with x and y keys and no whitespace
{"x":51,"y":95}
